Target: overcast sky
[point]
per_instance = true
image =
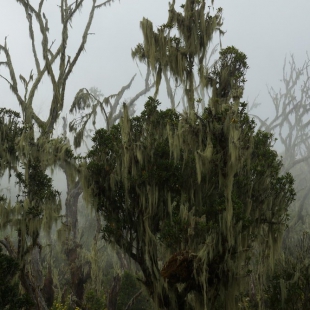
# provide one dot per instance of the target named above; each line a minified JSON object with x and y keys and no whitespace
{"x":266,"y":31}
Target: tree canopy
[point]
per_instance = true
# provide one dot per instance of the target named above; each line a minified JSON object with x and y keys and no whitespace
{"x":190,"y":199}
{"x":193,"y":198}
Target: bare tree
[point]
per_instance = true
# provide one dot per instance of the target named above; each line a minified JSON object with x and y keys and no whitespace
{"x":291,"y":124}
{"x":86,"y":104}
{"x":30,"y":215}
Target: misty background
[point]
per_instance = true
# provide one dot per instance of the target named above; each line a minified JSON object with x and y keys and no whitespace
{"x":266,"y":31}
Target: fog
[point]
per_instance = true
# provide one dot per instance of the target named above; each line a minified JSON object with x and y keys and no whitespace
{"x":265,"y":31}
{"x":268,"y":32}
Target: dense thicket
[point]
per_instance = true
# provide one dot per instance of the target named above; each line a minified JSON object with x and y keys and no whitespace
{"x":191,"y":198}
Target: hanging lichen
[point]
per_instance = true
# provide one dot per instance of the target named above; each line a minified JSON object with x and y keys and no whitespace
{"x":10,"y":130}
{"x":209,"y":189}
{"x":163,"y":51}
{"x":28,"y":149}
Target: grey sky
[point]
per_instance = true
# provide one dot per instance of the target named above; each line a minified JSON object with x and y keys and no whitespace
{"x":266,"y":31}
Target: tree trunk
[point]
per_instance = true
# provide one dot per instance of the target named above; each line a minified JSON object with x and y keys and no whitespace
{"x":112,"y":298}
{"x":77,"y":277}
{"x":48,"y":288}
{"x":32,"y":282}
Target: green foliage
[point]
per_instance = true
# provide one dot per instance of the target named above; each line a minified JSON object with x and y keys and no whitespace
{"x":10,"y":296}
{"x":289,"y":286}
{"x":38,"y":189}
{"x":93,"y":302}
{"x":160,"y":188}
{"x":179,"y":44}
{"x":38,"y":200}
{"x":228,"y":73}
{"x":129,"y":288}
{"x":66,"y":306}
{"x":10,"y":130}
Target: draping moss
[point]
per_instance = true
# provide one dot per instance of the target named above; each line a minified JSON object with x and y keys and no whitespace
{"x":10,"y":130}
{"x":179,"y":44}
{"x":205,"y":186}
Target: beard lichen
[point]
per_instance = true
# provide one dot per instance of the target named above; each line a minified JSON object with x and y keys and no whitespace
{"x":164,"y":51}
{"x":206,"y":184}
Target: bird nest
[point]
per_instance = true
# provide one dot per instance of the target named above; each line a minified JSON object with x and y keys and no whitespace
{"x":179,"y":268}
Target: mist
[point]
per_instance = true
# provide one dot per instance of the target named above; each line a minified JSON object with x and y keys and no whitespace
{"x":273,"y":37}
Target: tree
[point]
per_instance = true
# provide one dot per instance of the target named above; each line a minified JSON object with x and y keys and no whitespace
{"x":10,"y":297}
{"x":164,"y":51}
{"x":290,"y":124}
{"x":38,"y":207}
{"x":202,"y":185}
{"x":201,"y":192}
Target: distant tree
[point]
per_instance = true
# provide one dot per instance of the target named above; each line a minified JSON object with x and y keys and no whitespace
{"x":288,"y":287}
{"x":290,"y":125}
